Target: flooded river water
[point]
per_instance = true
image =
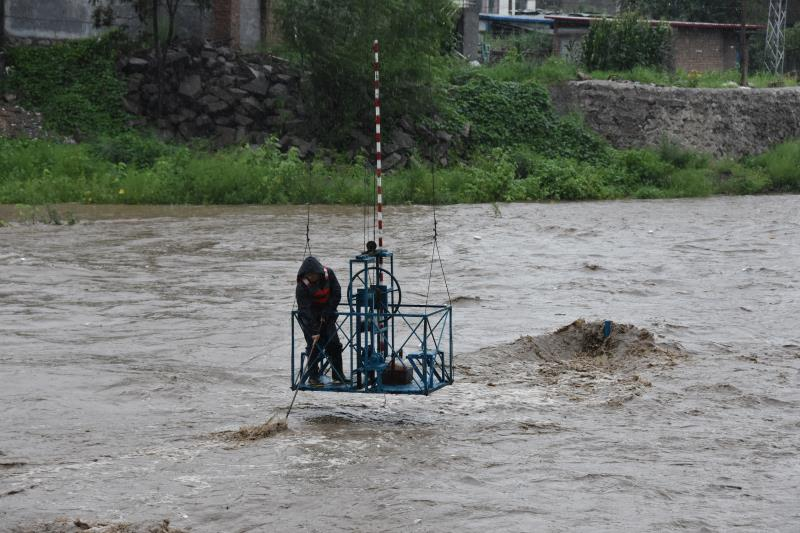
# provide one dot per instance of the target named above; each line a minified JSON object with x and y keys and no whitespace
{"x":128,"y":339}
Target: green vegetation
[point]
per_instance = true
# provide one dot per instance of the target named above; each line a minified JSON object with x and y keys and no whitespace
{"x":518,"y":149}
{"x":755,"y":11}
{"x":334,"y":40}
{"x":513,"y":67}
{"x":554,"y":70}
{"x":705,"y":80}
{"x":626,"y":42}
{"x":45,"y":172}
{"x":531,"y":45}
{"x":516,"y":66}
{"x":73,"y":84}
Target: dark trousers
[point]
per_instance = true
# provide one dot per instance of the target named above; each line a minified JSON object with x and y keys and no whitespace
{"x":328,"y":343}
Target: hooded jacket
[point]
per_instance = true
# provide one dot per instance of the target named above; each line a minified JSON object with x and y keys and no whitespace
{"x":318,"y":300}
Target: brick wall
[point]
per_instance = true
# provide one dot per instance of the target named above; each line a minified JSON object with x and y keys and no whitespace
{"x":704,"y":50}
{"x":221,"y":14}
{"x":235,"y":22}
{"x":692,"y":49}
{"x":226,"y":16}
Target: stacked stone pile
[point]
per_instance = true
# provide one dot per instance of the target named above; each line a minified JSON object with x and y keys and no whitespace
{"x":214,"y":92}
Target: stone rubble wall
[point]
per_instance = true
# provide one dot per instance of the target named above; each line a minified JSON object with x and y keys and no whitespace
{"x":722,"y":122}
{"x":214,"y":92}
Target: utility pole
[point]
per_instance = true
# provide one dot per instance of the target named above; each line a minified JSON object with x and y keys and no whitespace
{"x":776,"y":35}
{"x":2,"y":24}
{"x":159,"y":59}
{"x":743,"y":44}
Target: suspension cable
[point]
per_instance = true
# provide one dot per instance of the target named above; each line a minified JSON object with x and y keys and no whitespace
{"x":435,"y":246}
{"x":364,"y":206}
{"x":307,"y":249}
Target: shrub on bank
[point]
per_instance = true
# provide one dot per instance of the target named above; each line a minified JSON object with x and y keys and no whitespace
{"x":736,"y":178}
{"x":782,"y":165}
{"x":511,"y":113}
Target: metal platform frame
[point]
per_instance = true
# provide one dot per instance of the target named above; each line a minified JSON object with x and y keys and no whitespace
{"x":378,"y":329}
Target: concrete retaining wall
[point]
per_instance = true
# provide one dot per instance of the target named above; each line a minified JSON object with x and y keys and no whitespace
{"x":44,"y":21}
{"x":48,"y":19}
{"x":722,"y":122}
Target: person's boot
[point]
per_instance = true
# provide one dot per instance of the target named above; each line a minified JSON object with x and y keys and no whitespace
{"x":313,"y":375}
{"x":337,"y":372}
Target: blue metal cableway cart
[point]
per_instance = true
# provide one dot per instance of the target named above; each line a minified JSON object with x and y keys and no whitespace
{"x":393,"y":348}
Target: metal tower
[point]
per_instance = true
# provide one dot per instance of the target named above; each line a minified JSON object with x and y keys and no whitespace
{"x":776,"y":35}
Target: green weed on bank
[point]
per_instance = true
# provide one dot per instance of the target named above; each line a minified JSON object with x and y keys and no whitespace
{"x":704,"y":80}
{"x":37,"y":172}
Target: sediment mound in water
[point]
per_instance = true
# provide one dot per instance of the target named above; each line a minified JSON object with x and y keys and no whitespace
{"x":69,"y":525}
{"x":576,"y":360}
{"x":275,"y":424}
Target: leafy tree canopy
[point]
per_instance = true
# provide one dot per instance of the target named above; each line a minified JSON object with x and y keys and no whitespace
{"x":334,"y":39}
{"x":624,"y":43}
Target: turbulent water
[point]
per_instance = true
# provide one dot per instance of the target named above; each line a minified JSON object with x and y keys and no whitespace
{"x":128,"y":340}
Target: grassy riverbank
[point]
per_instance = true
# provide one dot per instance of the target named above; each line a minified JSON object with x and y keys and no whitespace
{"x":141,"y":170}
{"x":518,"y":148}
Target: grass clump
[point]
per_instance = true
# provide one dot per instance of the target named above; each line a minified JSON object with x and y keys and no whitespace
{"x":732,"y":177}
{"x":694,"y":79}
{"x":782,"y":165}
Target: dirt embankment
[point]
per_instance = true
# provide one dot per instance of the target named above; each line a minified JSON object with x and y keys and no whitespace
{"x":577,"y":361}
{"x":17,"y":122}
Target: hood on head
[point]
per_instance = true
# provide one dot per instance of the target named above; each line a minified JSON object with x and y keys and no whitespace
{"x":310,"y":264}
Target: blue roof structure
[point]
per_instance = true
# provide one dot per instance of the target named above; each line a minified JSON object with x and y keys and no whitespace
{"x":517,"y":19}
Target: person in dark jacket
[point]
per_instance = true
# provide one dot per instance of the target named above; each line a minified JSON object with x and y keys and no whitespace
{"x":318,"y":294}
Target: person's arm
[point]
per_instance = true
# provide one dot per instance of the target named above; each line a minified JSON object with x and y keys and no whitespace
{"x":304,"y":314}
{"x":334,"y":298}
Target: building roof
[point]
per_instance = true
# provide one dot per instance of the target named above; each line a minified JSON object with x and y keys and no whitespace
{"x":518,"y":19}
{"x":585,"y":21}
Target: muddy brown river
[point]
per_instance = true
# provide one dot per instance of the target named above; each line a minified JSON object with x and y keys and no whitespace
{"x":129,"y":339}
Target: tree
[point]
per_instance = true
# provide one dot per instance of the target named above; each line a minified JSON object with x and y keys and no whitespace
{"x":150,"y":11}
{"x":793,"y":47}
{"x":744,"y":48}
{"x":334,"y":41}
{"x":2,"y":24}
{"x":724,"y":11}
{"x":624,"y":43}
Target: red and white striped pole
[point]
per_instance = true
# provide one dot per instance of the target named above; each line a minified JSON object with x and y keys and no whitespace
{"x":378,"y":182}
{"x":376,"y":65}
